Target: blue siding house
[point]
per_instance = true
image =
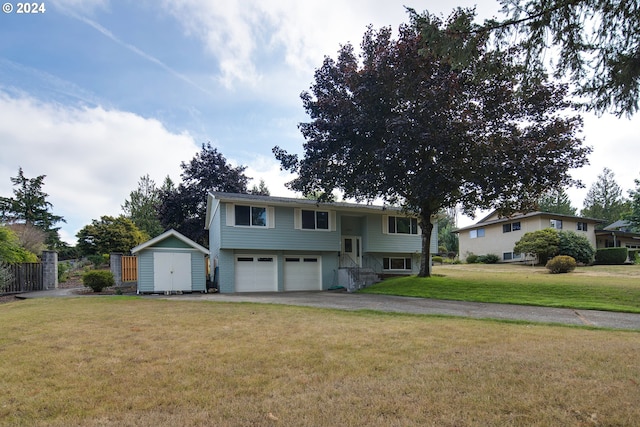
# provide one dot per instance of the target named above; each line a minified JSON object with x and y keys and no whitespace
{"x":273,"y":244}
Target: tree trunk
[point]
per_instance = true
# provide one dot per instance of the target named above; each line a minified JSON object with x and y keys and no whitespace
{"x":425,"y":257}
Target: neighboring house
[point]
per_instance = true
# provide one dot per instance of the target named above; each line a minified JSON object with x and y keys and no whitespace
{"x":263,"y":243}
{"x":169,"y":263}
{"x":619,"y":234}
{"x":498,"y":235}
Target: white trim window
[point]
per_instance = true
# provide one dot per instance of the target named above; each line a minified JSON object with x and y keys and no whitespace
{"x":314,"y":220}
{"x":396,"y":263}
{"x":400,"y":225}
{"x":250,"y":216}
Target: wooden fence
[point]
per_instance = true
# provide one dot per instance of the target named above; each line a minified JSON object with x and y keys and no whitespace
{"x":25,"y":277}
{"x":129,"y":268}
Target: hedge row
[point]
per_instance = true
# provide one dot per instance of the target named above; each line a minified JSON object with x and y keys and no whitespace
{"x":611,"y":256}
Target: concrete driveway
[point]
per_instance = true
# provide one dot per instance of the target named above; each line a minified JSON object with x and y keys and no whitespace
{"x":395,"y":304}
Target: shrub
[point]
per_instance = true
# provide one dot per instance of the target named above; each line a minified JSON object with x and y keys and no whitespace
{"x":63,"y":271}
{"x":472,"y":258}
{"x":611,"y":256}
{"x":98,"y":279}
{"x":561,"y":264}
{"x":542,"y":243}
{"x":437,"y":259}
{"x":489,"y":259}
{"x":576,"y":246}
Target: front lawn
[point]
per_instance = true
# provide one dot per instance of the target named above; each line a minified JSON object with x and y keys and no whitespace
{"x":116,"y":361}
{"x":612,"y":288}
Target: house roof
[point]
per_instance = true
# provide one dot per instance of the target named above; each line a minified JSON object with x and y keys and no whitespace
{"x":166,"y":235}
{"x":293,"y":202}
{"x":620,"y":225}
{"x":485,"y":221}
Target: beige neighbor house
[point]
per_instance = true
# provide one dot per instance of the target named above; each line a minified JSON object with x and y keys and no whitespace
{"x":498,"y":235}
{"x":620,"y":234}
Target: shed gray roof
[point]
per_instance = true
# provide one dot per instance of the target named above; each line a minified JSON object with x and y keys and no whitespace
{"x":166,"y":235}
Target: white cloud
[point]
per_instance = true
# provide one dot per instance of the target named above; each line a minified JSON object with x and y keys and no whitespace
{"x":93,"y":158}
{"x":239,"y":33}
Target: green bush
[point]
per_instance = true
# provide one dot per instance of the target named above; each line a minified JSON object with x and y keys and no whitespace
{"x":472,"y":258}
{"x":488,"y":259}
{"x":63,"y":271}
{"x":98,"y":279}
{"x":611,"y":256}
{"x":437,"y":259}
{"x":576,"y":246}
{"x":561,"y":264}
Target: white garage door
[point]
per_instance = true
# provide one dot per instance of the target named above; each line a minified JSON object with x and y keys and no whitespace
{"x":302,"y":273}
{"x":256,"y":273}
{"x":171,"y":271}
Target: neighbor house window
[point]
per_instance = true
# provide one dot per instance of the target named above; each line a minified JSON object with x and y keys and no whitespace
{"x":582,"y":226}
{"x":514,"y":226}
{"x":315,"y":220}
{"x":473,"y":234}
{"x":509,"y":256}
{"x":556,"y":223}
{"x":396,"y":263}
{"x":403,"y":225}
{"x":251,"y":216}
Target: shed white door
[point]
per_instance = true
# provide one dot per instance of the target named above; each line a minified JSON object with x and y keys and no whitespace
{"x":256,"y":273}
{"x":171,"y":271}
{"x":302,"y":273}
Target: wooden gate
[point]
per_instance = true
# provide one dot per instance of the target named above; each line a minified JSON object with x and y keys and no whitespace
{"x":129,"y":268}
{"x":25,"y":277}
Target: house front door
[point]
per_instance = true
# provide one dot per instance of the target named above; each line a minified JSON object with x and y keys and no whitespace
{"x":351,"y":251}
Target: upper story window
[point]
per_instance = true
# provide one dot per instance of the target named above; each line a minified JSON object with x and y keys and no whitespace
{"x":402,"y":225}
{"x":315,"y":220}
{"x":251,"y":216}
{"x":474,"y":234}
{"x":514,"y":226}
{"x":582,"y":226}
{"x":556,"y":223}
{"x":307,"y":219}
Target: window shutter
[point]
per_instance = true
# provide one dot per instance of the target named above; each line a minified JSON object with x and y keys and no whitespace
{"x":332,"y":220}
{"x":385,"y":224}
{"x":271,"y":217}
{"x":297,"y":218}
{"x":231,"y":215}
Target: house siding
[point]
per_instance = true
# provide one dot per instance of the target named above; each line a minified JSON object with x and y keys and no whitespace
{"x":280,"y":238}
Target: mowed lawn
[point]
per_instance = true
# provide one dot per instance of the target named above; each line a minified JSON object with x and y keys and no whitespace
{"x":114,"y":361}
{"x":611,"y":288}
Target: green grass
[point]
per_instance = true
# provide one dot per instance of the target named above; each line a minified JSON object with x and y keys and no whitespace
{"x":600,"y":288}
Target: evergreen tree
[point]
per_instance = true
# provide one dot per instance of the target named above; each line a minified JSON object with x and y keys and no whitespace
{"x":556,"y":201}
{"x":633,"y":216}
{"x":604,"y":199}
{"x":142,"y":207}
{"x":29,"y":205}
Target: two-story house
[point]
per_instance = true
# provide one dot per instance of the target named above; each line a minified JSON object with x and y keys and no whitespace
{"x":498,"y":235}
{"x":263,"y":243}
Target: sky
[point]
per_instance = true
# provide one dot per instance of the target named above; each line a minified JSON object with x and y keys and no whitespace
{"x":95,"y":94}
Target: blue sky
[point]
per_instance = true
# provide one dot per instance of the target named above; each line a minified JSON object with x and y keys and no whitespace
{"x":96,"y":93}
